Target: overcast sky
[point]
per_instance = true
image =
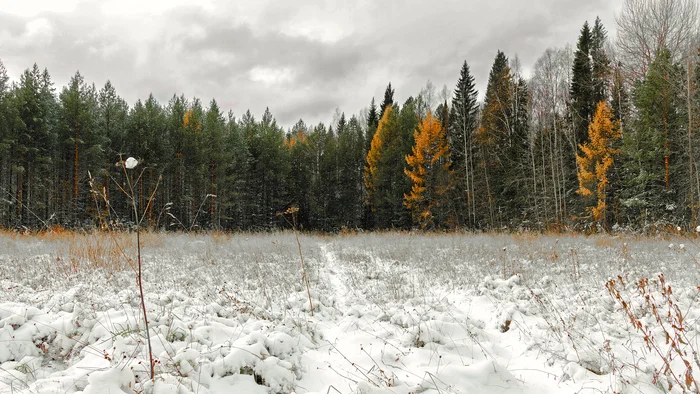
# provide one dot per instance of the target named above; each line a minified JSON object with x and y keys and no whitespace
{"x":301,"y":58}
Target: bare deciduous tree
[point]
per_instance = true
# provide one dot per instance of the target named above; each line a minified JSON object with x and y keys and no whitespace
{"x":646,"y":26}
{"x":549,"y":86}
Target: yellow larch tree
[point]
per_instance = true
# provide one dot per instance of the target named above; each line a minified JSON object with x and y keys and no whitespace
{"x":429,"y":170}
{"x":375,"y":172}
{"x":595,"y":161}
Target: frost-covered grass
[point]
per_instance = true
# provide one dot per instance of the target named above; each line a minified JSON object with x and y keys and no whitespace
{"x":394,"y":313}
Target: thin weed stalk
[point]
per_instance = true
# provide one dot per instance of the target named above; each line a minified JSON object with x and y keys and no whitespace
{"x":131,"y":163}
{"x":293,"y":212}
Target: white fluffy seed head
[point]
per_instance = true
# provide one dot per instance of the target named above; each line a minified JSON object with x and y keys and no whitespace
{"x":131,"y":163}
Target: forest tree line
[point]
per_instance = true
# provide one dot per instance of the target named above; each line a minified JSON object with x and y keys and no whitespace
{"x":601,"y":135}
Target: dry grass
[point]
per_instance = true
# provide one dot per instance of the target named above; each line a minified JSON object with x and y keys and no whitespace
{"x":112,"y":251}
{"x":109,"y":251}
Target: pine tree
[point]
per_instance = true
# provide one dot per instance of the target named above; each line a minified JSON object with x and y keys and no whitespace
{"x":462,"y":125}
{"x":214,"y":130}
{"x":195,"y":180}
{"x":34,"y":142}
{"x":430,"y":174}
{"x":582,"y":89}
{"x":327,"y":181}
{"x":6,"y":109}
{"x":112,"y":120}
{"x":146,"y":139}
{"x":78,"y":108}
{"x":234,"y":206}
{"x":596,"y":162}
{"x":267,"y":178}
{"x":351,"y":158}
{"x":176,"y":170}
{"x":301,"y":156}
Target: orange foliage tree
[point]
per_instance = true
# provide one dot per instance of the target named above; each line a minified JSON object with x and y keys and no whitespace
{"x":377,"y":174}
{"x":430,"y":172}
{"x":190,"y":120}
{"x":596,"y":159}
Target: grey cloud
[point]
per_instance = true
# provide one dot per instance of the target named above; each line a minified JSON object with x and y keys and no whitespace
{"x":210,"y":54}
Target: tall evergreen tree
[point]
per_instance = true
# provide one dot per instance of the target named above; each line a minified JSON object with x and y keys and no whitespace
{"x":515,"y":153}
{"x":214,"y":137}
{"x":326,"y":189}
{"x":388,"y":100}
{"x":493,"y":139}
{"x":269,"y":170}
{"x":77,"y":127}
{"x":462,"y":125}
{"x":351,"y":158}
{"x":34,"y":143}
{"x":384,"y":178}
{"x":176,"y":170}
{"x":582,"y":89}
{"x":6,"y":108}
{"x":194,"y":166}
{"x":600,"y":63}
{"x":652,"y":147}
{"x":112,"y":121}
{"x":301,"y":156}
{"x":372,"y":123}
{"x":234,"y":205}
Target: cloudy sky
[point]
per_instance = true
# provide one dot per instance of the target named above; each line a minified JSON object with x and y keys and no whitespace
{"x":302,"y":58}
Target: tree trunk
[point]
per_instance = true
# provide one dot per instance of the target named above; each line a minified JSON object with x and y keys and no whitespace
{"x":212,"y":200}
{"x":76,"y":171}
{"x":20,"y":181}
{"x":690,"y":147}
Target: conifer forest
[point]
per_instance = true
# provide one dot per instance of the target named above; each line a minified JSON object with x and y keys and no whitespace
{"x":597,"y":135}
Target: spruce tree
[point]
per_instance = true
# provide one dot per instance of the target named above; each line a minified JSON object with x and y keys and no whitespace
{"x":582,"y":92}
{"x":494,"y":140}
{"x":600,"y":63}
{"x":388,"y":100}
{"x":462,"y":125}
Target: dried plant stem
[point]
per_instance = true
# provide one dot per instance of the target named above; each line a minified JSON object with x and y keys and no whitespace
{"x":303,"y":267}
{"x":138,"y":220}
{"x":293,"y":211}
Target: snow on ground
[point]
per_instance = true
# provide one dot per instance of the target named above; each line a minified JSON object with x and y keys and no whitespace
{"x":393,"y":313}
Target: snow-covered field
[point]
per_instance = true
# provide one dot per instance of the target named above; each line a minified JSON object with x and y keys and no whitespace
{"x":393,"y":313}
